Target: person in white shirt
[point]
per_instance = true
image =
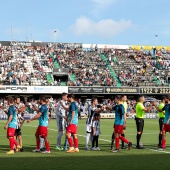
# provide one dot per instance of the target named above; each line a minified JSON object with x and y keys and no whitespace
{"x":83,"y":109}
{"x":61,"y":123}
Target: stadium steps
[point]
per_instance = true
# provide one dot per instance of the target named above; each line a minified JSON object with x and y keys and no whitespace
{"x":159,"y":67}
{"x":72,"y":77}
{"x":63,"y":84}
{"x":158,"y":82}
{"x":56,"y":64}
{"x":113,"y":74}
{"x":155,"y":78}
{"x":50,"y":78}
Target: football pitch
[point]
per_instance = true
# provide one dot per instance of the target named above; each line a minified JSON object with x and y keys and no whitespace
{"x":149,"y":158}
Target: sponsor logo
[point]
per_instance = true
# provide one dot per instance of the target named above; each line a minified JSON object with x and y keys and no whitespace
{"x":15,"y":43}
{"x":121,"y":90}
{"x":22,"y":89}
{"x":86,"y":89}
{"x":108,"y":90}
{"x":98,"y":89}
{"x":43,"y":89}
{"x":16,"y":88}
{"x":147,"y":116}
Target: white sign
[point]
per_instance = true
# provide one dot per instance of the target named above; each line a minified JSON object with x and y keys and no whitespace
{"x":107,"y":46}
{"x":15,"y":43}
{"x":34,"y":89}
{"x":147,"y":115}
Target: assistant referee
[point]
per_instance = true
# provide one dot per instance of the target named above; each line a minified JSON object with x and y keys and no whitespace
{"x":161,"y":119}
{"x":140,"y":112}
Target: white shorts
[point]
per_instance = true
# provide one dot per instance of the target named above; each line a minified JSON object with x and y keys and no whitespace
{"x":61,"y":124}
{"x":88,"y":128}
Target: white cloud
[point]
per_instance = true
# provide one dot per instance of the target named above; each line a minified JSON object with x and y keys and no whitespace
{"x":104,"y":28}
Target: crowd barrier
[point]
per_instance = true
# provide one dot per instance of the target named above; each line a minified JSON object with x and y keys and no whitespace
{"x":3,"y":116}
{"x":119,"y":90}
{"x":83,"y":90}
{"x":84,"y":46}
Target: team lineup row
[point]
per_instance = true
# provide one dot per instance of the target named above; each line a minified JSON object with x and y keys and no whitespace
{"x":67,"y":119}
{"x":121,"y":112}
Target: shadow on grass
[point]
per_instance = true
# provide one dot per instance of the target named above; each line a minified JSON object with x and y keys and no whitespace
{"x":104,"y":147}
{"x":76,"y":162}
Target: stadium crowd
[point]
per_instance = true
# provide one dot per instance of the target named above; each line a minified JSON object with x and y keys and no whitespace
{"x":89,"y":69}
{"x":21,"y":65}
{"x":140,"y":68}
{"x":82,"y":104}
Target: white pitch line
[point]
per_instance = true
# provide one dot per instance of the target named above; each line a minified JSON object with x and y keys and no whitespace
{"x":135,"y":134}
{"x":77,"y":134}
{"x":158,"y":151}
{"x":85,"y":136}
{"x":100,"y":135}
{"x":99,"y":138}
{"x":37,"y":126}
{"x":154,"y":150}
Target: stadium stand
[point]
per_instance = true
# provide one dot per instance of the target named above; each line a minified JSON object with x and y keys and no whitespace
{"x":33,"y":66}
{"x":25,"y":66}
{"x":138,"y":68}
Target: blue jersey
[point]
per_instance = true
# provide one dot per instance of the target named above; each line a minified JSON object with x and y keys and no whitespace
{"x":119,"y":114}
{"x":73,"y":107}
{"x":12,"y":111}
{"x":167,"y":112}
{"x":43,"y":120}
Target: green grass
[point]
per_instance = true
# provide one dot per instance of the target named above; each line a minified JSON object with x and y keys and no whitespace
{"x":104,"y":159}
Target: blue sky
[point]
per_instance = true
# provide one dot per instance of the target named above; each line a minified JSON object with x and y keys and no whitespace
{"x":87,"y":21}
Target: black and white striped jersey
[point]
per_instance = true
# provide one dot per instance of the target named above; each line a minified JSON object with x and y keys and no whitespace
{"x":91,"y":112}
{"x":18,"y":106}
{"x":19,"y":120}
{"x":96,"y":126}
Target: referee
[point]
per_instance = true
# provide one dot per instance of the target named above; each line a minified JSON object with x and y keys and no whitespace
{"x":161,"y":119}
{"x":140,"y":112}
